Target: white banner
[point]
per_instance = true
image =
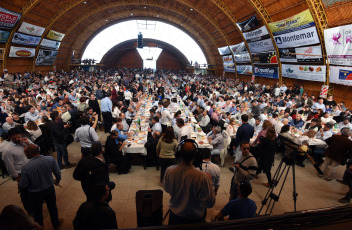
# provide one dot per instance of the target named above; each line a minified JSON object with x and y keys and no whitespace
{"x":340,"y":75}
{"x":242,"y":58}
{"x":338,"y":42}
{"x":255,"y":34}
{"x":244,"y":69}
{"x":22,"y":52}
{"x":261,"y":46}
{"x":303,"y":54}
{"x":224,"y":50}
{"x":298,"y":38}
{"x":46,"y":57}
{"x":31,"y":29}
{"x":239,"y":48}
{"x":304,"y":72}
{"x":46,"y":43}
{"x":229,"y":65}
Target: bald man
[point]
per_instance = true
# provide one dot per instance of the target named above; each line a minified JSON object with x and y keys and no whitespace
{"x":9,"y":124}
{"x":191,"y":190}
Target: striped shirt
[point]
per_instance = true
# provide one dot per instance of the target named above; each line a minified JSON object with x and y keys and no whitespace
{"x":36,"y":175}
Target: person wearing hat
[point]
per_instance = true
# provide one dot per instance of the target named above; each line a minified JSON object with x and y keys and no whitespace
{"x":241,"y":208}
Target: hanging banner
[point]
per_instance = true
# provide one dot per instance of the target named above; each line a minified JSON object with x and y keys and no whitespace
{"x":21,"y":52}
{"x":261,"y":46}
{"x":244,"y":69}
{"x":46,"y":57}
{"x":31,"y":29}
{"x":2,"y":53}
{"x":338,"y":42}
{"x":224,"y":50}
{"x":4,"y":36}
{"x":265,"y":58}
{"x":269,"y":72}
{"x":308,"y":36}
{"x":256,"y":34}
{"x":304,"y":72}
{"x":239,"y":48}
{"x":248,"y":24}
{"x":50,"y":44}
{"x":324,"y":91}
{"x":55,"y":35}
{"x":22,"y":39}
{"x":340,"y":75}
{"x":303,"y":54}
{"x":8,"y":18}
{"x":253,"y":78}
{"x":296,"y":22}
{"x":229,"y":65}
{"x":242,"y":58}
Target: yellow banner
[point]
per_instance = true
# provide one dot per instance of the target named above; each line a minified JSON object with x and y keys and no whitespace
{"x":295,"y":22}
{"x":55,"y":35}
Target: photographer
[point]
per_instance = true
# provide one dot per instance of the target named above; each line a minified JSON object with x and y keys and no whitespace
{"x":86,"y":135}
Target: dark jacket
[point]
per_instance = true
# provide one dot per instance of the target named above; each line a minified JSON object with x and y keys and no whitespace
{"x":94,"y":105}
{"x":267,"y":152}
{"x":244,"y":133}
{"x":58,"y":132}
{"x":339,"y":148}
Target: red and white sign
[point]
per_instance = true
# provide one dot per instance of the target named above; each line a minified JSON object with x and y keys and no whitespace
{"x":324,"y":91}
{"x":8,"y":19}
{"x":21,"y":52}
{"x":253,"y":78}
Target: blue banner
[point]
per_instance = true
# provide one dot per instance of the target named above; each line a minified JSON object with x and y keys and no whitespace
{"x":269,"y":72}
{"x":4,"y":36}
{"x":23,"y":39}
{"x":345,"y":74}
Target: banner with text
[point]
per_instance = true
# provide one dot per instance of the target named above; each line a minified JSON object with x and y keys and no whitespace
{"x":229,"y":65}
{"x":340,"y":75}
{"x":308,"y":36}
{"x":55,"y":35}
{"x":239,"y":48}
{"x":269,"y":72}
{"x":303,"y":54}
{"x":2,"y":53}
{"x":224,"y":50}
{"x":21,"y":52}
{"x":4,"y":36}
{"x":46,"y":57}
{"x":293,"y":23}
{"x":338,"y":42}
{"x":258,"y":34}
{"x":244,"y":69}
{"x":242,"y":58}
{"x":248,"y":24}
{"x":50,"y":44}
{"x":8,"y":18}
{"x":265,"y":58}
{"x":30,"y":29}
{"x":23,"y":39}
{"x":304,"y":72}
{"x":261,"y":46}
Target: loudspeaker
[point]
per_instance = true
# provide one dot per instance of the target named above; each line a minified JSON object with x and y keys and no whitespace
{"x":140,"y":40}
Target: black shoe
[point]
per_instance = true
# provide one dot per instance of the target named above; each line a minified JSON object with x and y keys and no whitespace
{"x":70,"y":165}
{"x":301,"y":164}
{"x":62,"y":167}
{"x":341,"y":181}
{"x":344,"y":200}
{"x":232,"y":169}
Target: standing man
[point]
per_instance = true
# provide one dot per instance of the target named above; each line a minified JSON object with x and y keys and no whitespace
{"x":211,"y":168}
{"x":244,"y":133}
{"x":184,"y":131}
{"x":86,"y":135}
{"x":191,"y":190}
{"x":36,"y":176}
{"x":106,"y":108}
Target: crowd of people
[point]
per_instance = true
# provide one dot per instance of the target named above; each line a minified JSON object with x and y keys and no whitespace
{"x":41,"y":114}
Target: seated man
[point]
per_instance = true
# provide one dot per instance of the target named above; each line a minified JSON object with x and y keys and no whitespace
{"x":298,"y":122}
{"x":217,"y":141}
{"x":121,"y":137}
{"x":9,"y":124}
{"x":151,"y":144}
{"x":323,"y":134}
{"x":241,"y":208}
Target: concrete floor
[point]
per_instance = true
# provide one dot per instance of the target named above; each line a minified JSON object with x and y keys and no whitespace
{"x":313,"y":192}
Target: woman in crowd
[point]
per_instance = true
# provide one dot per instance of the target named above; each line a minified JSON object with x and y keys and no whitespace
{"x":231,"y":130}
{"x":33,"y":130}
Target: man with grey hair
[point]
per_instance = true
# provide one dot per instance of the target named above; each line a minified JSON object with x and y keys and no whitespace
{"x":338,"y":151}
{"x":216,"y":139}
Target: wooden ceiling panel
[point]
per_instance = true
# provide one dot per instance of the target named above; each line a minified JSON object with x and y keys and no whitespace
{"x":339,"y":14}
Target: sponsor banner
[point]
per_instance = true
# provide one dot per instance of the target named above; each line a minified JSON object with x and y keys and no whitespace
{"x":261,"y":46}
{"x":296,"y":22}
{"x":265,"y":58}
{"x":21,"y":52}
{"x":2,"y":53}
{"x":229,"y":65}
{"x":338,"y":42}
{"x":55,"y":35}
{"x":340,"y":75}
{"x":304,"y":72}
{"x":269,"y":72}
{"x":303,"y":54}
{"x":308,"y":36}
{"x":258,"y":34}
{"x":244,"y":69}
{"x":224,"y":50}
{"x":22,"y":39}
{"x":46,"y":43}
{"x":253,"y":78}
{"x":324,"y":91}
{"x":46,"y":57}
{"x":248,"y":24}
{"x":4,"y":36}
{"x":242,"y":58}
{"x":239,"y":48}
{"x":8,"y":18}
{"x":31,"y":29}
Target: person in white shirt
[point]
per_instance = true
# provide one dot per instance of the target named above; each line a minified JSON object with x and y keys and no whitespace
{"x":205,"y":120}
{"x":323,"y":134}
{"x":115,"y":110}
{"x":319,"y":105}
{"x":279,"y":125}
{"x":258,"y":125}
{"x":166,"y":116}
{"x":124,"y":123}
{"x":212,"y":169}
{"x":327,"y":119}
{"x":128,"y":96}
{"x":156,"y":125}
{"x":231,"y":128}
{"x":184,"y":131}
{"x":129,"y":114}
{"x":345,"y":123}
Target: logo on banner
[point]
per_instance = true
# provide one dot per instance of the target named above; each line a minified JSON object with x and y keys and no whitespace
{"x":345,"y":75}
{"x":278,"y":40}
{"x":335,"y":38}
{"x":264,"y":70}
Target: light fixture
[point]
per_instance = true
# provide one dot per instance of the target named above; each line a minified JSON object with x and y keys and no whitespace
{"x":85,"y":2}
{"x":191,"y":9}
{"x":131,"y":14}
{"x":145,"y":7}
{"x":107,"y":20}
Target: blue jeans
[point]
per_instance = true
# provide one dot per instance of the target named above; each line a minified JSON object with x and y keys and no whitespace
{"x":61,"y":150}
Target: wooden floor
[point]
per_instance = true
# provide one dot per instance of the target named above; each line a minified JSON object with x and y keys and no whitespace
{"x":313,"y":192}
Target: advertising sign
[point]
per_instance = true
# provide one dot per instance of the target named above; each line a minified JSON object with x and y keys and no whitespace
{"x":8,"y":18}
{"x":324,"y":91}
{"x":55,"y":35}
{"x":304,"y":72}
{"x":224,"y":50}
{"x":265,"y":58}
{"x":239,"y":48}
{"x":258,"y":34}
{"x":340,"y":75}
{"x":2,"y":53}
{"x":4,"y":36}
{"x":242,"y":58}
{"x":338,"y":42}
{"x":21,"y":52}
{"x":269,"y":72}
{"x":303,"y":54}
{"x":244,"y":69}
{"x":248,"y":24}
{"x":261,"y":46}
{"x":50,"y":44}
{"x":293,"y":23}
{"x":308,"y":36}
{"x":46,"y":57}
{"x":22,"y":39}
{"x":31,"y":29}
{"x":229,"y":65}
